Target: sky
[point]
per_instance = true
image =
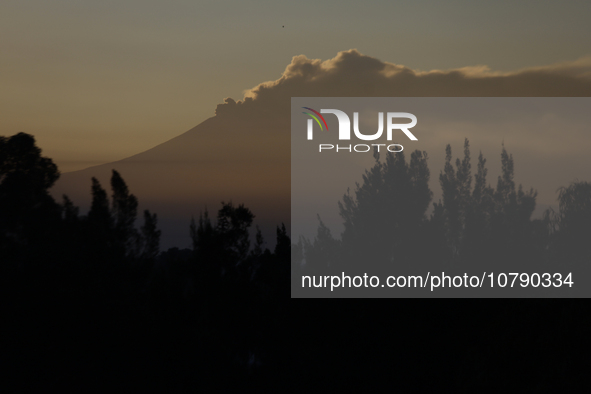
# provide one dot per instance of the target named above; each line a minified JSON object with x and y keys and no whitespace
{"x":97,"y":82}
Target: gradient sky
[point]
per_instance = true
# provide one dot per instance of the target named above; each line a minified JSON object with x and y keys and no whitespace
{"x":100,"y":81}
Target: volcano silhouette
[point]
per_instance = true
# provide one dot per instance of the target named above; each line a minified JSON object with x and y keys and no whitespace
{"x":238,"y":156}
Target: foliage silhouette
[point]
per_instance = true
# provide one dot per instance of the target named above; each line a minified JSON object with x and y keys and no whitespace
{"x":474,"y":227}
{"x":386,"y":215}
{"x":28,"y":214}
{"x":98,"y":289}
{"x":94,"y":300}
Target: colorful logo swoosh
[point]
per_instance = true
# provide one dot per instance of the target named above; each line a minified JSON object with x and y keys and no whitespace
{"x":316,"y":117}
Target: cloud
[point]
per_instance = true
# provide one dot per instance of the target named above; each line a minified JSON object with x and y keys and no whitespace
{"x":352,"y":74}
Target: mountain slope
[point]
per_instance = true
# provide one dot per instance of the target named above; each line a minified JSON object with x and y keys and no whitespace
{"x":225,"y":158}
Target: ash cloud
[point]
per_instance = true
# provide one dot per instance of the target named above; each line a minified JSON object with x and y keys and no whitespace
{"x":352,"y":74}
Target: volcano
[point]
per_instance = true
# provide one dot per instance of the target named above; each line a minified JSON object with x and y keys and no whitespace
{"x":241,"y":157}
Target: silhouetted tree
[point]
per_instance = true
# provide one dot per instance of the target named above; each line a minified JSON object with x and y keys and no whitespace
{"x":99,"y":216}
{"x":89,"y":291}
{"x":478,"y":220}
{"x":97,"y":292}
{"x":233,"y":227}
{"x":259,"y":241}
{"x":322,"y":252}
{"x":21,"y":165}
{"x":124,"y":213}
{"x":28,"y":214}
{"x":384,"y":220}
{"x":570,"y":244}
{"x":202,"y":236}
{"x":70,"y":211}
{"x":511,"y":221}
{"x":473,"y":225}
{"x":150,"y":236}
{"x":283,"y":244}
{"x":451,"y":204}
{"x":575,"y":208}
